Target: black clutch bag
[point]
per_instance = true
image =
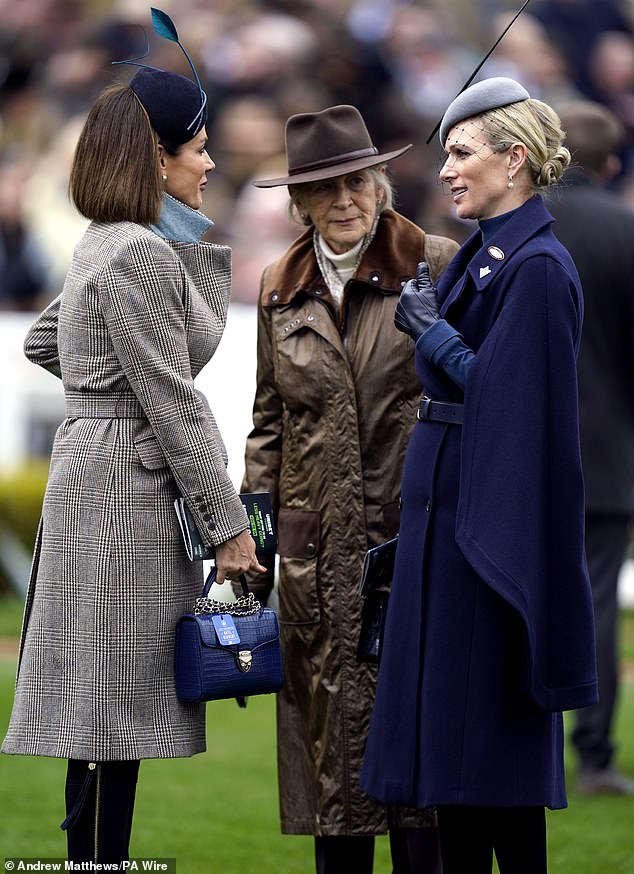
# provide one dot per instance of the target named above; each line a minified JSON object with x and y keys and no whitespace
{"x":207,"y":667}
{"x":374,"y":588}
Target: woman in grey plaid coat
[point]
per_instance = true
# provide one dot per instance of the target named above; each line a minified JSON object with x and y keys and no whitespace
{"x":142,"y":311}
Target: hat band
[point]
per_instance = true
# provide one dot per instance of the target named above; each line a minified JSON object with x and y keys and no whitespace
{"x":334,"y":159}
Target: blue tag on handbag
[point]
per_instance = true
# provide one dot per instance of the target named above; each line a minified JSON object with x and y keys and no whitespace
{"x":225,"y":629}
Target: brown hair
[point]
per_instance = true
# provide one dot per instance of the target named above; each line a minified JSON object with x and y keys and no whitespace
{"x":115,"y":175}
{"x":593,"y":133}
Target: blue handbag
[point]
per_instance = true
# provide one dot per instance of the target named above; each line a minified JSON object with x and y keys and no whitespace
{"x":207,"y":670}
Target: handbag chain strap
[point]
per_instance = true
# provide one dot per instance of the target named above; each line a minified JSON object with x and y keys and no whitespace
{"x":246,"y":605}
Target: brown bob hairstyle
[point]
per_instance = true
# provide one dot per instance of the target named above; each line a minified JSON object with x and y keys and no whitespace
{"x":115,"y":175}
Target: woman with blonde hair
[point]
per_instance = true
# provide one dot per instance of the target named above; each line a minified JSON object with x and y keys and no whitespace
{"x":489,"y":631}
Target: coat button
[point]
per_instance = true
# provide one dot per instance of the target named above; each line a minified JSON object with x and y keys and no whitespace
{"x":206,"y":517}
{"x":311,"y":549}
{"x":212,"y":526}
{"x":428,"y":505}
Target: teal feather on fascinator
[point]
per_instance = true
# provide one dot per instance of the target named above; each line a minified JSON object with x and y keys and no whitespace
{"x":166,"y":96}
{"x":164,"y":26}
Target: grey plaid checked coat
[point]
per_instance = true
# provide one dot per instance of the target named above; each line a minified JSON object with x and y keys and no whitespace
{"x":138,"y":318}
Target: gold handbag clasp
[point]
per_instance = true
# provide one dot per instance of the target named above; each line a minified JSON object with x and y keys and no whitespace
{"x":245,"y":659}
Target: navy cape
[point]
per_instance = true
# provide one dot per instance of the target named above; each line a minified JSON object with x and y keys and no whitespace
{"x":521,"y":459}
{"x":489,"y":630}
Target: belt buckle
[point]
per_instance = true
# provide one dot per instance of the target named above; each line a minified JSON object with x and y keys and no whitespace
{"x":423,"y":411}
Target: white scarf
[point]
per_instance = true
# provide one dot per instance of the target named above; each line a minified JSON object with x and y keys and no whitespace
{"x":338,"y":269}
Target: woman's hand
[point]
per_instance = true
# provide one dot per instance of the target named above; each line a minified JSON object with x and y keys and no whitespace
{"x":417,"y":308}
{"x":235,"y":557}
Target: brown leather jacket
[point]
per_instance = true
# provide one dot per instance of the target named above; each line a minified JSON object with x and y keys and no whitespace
{"x":335,"y":403}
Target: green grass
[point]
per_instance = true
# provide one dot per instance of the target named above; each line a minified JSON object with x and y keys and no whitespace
{"x":11,"y":610}
{"x":627,"y":634}
{"x":217,"y":812}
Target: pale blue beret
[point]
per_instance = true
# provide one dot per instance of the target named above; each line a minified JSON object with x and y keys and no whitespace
{"x":479,"y":98}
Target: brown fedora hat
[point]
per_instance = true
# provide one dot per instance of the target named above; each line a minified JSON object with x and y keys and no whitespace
{"x":320,"y":145}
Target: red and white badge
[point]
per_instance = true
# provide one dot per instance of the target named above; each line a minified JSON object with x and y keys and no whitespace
{"x":496,"y":253}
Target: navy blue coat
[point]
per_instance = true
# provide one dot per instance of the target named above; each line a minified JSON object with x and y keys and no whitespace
{"x":489,"y":632}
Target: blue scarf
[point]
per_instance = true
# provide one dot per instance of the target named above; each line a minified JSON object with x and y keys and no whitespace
{"x":180,"y":223}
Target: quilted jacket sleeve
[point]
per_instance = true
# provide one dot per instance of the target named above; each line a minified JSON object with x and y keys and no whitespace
{"x":40,"y":344}
{"x":141,"y":292}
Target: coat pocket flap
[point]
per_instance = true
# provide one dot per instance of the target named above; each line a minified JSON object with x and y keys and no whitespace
{"x":149,"y":451}
{"x":298,"y":533}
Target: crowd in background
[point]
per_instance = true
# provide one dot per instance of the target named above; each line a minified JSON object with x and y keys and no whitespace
{"x":400,"y":62}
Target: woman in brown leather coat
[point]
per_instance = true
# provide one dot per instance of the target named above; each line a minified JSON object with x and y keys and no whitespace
{"x":336,"y":400}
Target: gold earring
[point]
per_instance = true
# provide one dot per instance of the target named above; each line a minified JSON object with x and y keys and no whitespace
{"x":510,"y":183}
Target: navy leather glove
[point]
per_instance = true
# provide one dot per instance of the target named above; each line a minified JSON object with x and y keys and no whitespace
{"x":417,"y":308}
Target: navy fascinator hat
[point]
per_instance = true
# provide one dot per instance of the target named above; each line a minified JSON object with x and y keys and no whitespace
{"x":176,"y":105}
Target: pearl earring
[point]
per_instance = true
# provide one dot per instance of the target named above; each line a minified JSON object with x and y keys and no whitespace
{"x":510,"y":183}
{"x":164,"y":178}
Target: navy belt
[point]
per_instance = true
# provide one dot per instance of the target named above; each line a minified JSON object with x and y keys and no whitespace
{"x":439,"y":411}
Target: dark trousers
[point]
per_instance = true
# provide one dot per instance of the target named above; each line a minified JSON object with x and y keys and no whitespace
{"x":606,"y":543}
{"x":99,"y":808}
{"x":414,"y":851}
{"x":470,"y":835}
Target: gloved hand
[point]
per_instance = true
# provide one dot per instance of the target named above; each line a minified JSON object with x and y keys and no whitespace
{"x":417,"y":308}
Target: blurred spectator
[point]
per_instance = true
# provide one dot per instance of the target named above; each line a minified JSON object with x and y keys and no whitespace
{"x":257,"y":51}
{"x":27,"y":121}
{"x":22,"y":264}
{"x":52,"y":219}
{"x":400,"y":62}
{"x":527,"y":53}
{"x":371,"y":20}
{"x":428,"y":58}
{"x":597,"y":229}
{"x":612,"y":69}
{"x":576,"y":26}
{"x":260,"y":224}
{"x":246,"y":131}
